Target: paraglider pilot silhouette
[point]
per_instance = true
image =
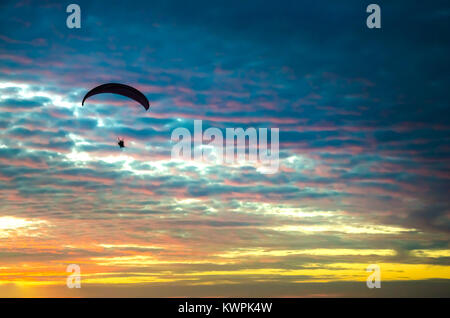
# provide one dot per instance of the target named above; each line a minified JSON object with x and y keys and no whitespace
{"x":121,"y":142}
{"x":119,"y":89}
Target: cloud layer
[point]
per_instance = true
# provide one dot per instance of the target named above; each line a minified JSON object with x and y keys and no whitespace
{"x":364,"y":156}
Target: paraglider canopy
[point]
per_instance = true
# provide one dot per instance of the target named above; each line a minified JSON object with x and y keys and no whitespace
{"x":120,"y":89}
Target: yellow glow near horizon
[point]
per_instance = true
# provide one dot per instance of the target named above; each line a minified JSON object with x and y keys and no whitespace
{"x":349,"y":229}
{"x":309,"y":272}
{"x":431,"y":253}
{"x":145,"y":260}
{"x":342,"y":272}
{"x":124,"y":246}
{"x":316,"y":252}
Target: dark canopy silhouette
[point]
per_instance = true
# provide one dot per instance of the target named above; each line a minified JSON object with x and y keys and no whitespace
{"x":120,"y":89}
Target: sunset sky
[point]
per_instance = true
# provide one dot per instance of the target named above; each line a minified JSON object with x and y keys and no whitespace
{"x":364,"y":172}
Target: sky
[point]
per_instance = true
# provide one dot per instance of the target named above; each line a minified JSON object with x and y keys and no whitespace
{"x":363,"y":119}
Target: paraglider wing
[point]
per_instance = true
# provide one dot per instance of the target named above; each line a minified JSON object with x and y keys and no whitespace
{"x":120,"y":89}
